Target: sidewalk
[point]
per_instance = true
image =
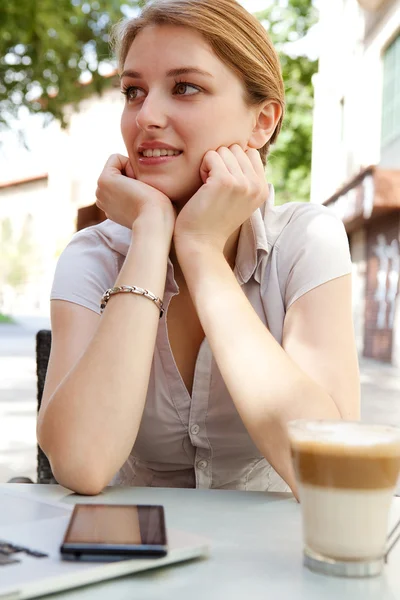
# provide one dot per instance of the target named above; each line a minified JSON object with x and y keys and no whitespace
{"x":380,"y":392}
{"x":380,"y":385}
{"x":18,"y":398}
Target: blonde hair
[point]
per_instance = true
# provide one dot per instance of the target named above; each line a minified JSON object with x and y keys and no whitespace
{"x":236,"y":37}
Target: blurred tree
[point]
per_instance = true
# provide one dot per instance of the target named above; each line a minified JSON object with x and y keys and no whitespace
{"x":289,"y":162}
{"x":47,"y":46}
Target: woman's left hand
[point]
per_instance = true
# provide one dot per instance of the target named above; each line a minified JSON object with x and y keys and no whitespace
{"x":234,"y":187}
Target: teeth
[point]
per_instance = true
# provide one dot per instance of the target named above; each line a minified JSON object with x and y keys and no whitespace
{"x":157,"y":152}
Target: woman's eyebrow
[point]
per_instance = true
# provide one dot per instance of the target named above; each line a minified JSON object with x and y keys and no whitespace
{"x":172,"y":73}
{"x":187,"y":71}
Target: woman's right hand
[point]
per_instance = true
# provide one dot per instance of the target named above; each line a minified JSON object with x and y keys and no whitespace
{"x":130,"y":202}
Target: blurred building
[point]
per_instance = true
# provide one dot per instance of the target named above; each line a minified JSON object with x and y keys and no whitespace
{"x":356,"y":157}
{"x":24,"y":238}
{"x":49,"y":193}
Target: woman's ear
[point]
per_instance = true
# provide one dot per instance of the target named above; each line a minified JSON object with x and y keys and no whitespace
{"x":267,"y":118}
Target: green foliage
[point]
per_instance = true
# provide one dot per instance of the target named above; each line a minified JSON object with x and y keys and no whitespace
{"x":289,"y":162}
{"x":45,"y":45}
{"x":6,"y":319}
{"x":290,"y":158}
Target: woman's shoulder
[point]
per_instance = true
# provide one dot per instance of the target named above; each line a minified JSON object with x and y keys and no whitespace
{"x":90,"y":264}
{"x":104,"y":236}
{"x":299,"y":221}
{"x":310,"y":246}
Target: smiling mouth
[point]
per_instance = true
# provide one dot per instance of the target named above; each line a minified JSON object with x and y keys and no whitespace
{"x":159,"y":152}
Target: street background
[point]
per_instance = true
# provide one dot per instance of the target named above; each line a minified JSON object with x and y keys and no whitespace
{"x":48,"y":173}
{"x":380,"y":387}
{"x":325,"y":154}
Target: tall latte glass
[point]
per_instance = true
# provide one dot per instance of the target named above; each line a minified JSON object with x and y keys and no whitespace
{"x":347,"y":474}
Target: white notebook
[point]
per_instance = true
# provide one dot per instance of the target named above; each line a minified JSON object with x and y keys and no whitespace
{"x":41,"y":526}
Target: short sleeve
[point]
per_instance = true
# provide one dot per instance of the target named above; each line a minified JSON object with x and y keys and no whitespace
{"x":85,"y":269}
{"x":313,"y":249}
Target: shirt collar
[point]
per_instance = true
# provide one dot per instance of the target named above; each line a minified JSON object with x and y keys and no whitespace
{"x":253,"y":242}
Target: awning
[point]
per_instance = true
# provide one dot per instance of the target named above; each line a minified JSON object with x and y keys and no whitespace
{"x":370,"y":194}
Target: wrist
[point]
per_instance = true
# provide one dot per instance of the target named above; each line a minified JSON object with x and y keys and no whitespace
{"x":150,"y":241}
{"x":197,"y":248}
{"x":153,"y":230}
{"x":196,"y":254}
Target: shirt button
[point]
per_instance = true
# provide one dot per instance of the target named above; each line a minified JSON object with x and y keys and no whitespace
{"x":202,"y":464}
{"x":194,"y":429}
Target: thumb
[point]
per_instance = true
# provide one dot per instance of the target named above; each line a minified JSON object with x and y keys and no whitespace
{"x":129,"y":171}
{"x":116,"y":164}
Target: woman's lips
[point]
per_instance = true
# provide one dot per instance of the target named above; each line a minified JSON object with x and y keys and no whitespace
{"x":157,"y":160}
{"x":158,"y":151}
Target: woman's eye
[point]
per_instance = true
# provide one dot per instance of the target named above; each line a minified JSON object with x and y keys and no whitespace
{"x":132,"y":93}
{"x":186,"y":89}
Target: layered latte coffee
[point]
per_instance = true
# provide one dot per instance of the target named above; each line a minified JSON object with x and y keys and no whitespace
{"x":347,"y":473}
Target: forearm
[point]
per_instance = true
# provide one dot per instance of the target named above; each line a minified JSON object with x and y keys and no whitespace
{"x":91,"y":422}
{"x":267,"y":387}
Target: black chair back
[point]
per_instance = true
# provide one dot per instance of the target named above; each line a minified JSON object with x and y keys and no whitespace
{"x":43,"y":345}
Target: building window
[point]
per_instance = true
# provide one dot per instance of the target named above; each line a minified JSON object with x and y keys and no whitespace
{"x":391,"y":94}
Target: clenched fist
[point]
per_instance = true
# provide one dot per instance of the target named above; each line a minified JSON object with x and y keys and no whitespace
{"x":127,"y":201}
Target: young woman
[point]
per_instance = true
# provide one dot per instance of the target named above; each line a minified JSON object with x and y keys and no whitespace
{"x":257,"y":325}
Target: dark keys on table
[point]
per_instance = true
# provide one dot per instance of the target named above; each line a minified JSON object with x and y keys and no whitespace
{"x":7,"y":551}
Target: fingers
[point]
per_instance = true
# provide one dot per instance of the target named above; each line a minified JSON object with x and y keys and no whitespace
{"x":211,"y":165}
{"x":249,"y":161}
{"x":231,"y":160}
{"x":255,"y":159}
{"x":117,"y":163}
{"x":235,"y":166}
{"x":240,"y":162}
{"x":253,"y":169}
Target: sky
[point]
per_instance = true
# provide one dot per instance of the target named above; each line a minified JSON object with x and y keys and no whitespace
{"x":254,"y":5}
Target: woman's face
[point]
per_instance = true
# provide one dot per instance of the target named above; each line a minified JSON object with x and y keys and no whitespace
{"x":179,"y":97}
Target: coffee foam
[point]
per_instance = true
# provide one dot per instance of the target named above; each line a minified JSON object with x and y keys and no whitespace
{"x":346,"y":455}
{"x":346,"y":437}
{"x":343,"y":448}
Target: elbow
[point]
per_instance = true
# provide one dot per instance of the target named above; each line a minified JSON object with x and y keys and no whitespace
{"x":80,"y":479}
{"x":78,"y":473}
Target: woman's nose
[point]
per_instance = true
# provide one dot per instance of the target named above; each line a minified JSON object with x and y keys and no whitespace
{"x":152,"y":113}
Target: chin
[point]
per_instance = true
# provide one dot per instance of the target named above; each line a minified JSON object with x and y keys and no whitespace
{"x":178,"y":195}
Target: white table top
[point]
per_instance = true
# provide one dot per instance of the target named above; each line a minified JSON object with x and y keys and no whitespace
{"x":255,"y":549}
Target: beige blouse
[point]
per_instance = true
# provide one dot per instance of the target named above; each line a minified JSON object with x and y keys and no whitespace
{"x":200,"y":440}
